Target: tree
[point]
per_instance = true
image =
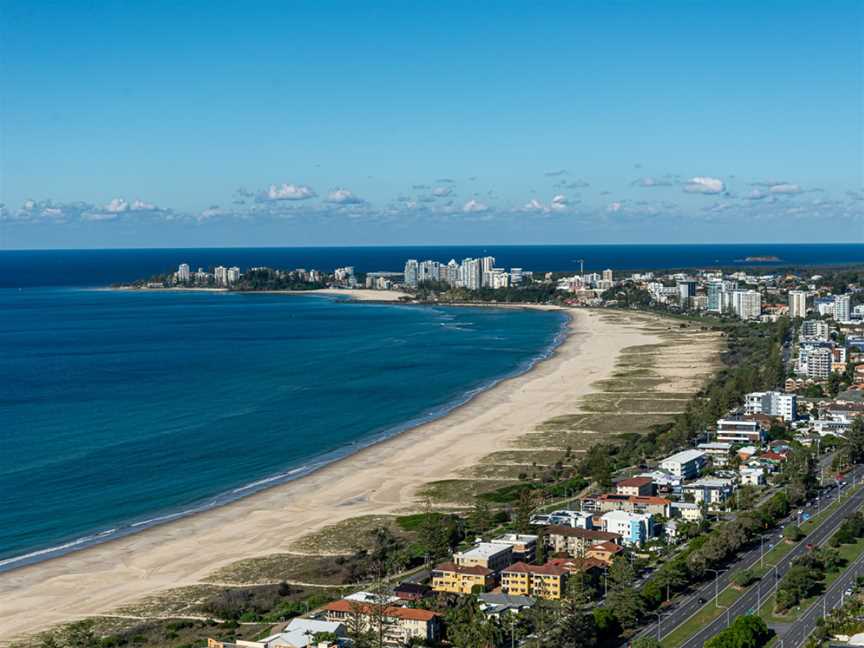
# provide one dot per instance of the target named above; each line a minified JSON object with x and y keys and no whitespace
{"x":468,"y":627}
{"x":480,"y":518}
{"x":575,"y":626}
{"x":645,"y":642}
{"x":522,"y":512}
{"x":743,"y":578}
{"x":747,"y":631}
{"x":855,"y":441}
{"x":792,"y":533}
{"x":624,"y":601}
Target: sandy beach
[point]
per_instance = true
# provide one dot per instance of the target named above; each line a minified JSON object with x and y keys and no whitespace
{"x":381,"y":479}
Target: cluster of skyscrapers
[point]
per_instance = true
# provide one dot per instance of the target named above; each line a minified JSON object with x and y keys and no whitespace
{"x":221,"y":275}
{"x":472,"y":274}
{"x":837,"y":306}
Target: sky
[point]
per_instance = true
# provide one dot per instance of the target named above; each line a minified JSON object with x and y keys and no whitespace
{"x":166,"y":124}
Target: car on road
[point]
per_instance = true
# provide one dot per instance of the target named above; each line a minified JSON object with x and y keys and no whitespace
{"x":701,"y":601}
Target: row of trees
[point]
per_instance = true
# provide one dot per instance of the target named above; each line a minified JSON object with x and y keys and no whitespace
{"x":806,"y":576}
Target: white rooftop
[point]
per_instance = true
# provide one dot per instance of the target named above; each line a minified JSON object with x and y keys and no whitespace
{"x":715,"y":445}
{"x":709,"y":482}
{"x":484,"y":550}
{"x":300,"y":632}
{"x":514,"y":538}
{"x":624,"y":515}
{"x":369,"y":597}
{"x":685,"y":505}
{"x":684,"y":456}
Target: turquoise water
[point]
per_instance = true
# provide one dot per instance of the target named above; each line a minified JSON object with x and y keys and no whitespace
{"x":118,"y":410}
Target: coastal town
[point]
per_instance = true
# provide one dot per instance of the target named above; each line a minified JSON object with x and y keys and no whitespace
{"x":754,"y":490}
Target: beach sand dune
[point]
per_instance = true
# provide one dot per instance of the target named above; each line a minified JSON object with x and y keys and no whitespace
{"x":381,"y":479}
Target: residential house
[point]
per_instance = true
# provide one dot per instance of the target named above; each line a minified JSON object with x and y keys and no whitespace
{"x":299,"y":633}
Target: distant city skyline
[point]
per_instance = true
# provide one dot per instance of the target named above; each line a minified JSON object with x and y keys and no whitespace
{"x":388,"y":124}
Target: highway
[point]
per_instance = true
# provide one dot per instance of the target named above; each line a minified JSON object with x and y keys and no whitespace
{"x":752,"y":599}
{"x":686,"y":607}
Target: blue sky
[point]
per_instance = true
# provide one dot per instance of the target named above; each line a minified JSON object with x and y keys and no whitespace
{"x":230,"y":123}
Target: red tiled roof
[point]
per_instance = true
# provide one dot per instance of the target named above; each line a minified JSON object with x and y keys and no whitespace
{"x":408,"y":614}
{"x":634,"y":499}
{"x":475,"y":570}
{"x":634,"y":482}
{"x":549,"y":569}
{"x":611,"y":547}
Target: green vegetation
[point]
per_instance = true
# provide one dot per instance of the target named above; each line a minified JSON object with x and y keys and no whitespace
{"x":747,"y":631}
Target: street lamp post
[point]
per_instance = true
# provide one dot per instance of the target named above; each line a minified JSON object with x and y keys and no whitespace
{"x":717,"y":573}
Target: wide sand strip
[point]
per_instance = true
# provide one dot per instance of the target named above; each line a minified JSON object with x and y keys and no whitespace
{"x":381,"y":479}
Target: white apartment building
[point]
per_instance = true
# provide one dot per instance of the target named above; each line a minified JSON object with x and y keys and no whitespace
{"x":412,"y":268}
{"x":685,"y":464}
{"x":815,"y":361}
{"x":232,"y":275}
{"x":719,"y":452}
{"x":842,"y":308}
{"x":710,"y":490}
{"x":490,"y":555}
{"x":220,"y":274}
{"x":772,"y":404}
{"x":798,"y":303}
{"x":634,"y":528}
{"x":737,"y":430}
{"x":607,"y":275}
{"x":747,"y":304}
{"x":687,"y":511}
{"x":814,"y":329}
{"x":183,"y":273}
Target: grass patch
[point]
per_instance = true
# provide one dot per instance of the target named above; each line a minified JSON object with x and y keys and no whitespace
{"x":703,"y":617}
{"x":344,"y":537}
{"x":319,"y":570}
{"x":460,"y":491}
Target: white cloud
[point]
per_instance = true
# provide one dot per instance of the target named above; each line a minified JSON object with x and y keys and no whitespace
{"x":756,"y":194}
{"x":117,"y":206}
{"x":556,"y":172}
{"x":289,"y":192}
{"x":648,"y":181}
{"x":343,"y":197}
{"x":140,"y":205}
{"x":615,"y":207}
{"x":559,"y":203}
{"x":785,"y":188}
{"x":534,"y":205}
{"x":704,"y":185}
{"x":474,"y":206}
{"x":442,"y":192}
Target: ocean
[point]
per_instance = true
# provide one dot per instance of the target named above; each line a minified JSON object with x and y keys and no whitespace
{"x":119,"y":410}
{"x":122,"y":409}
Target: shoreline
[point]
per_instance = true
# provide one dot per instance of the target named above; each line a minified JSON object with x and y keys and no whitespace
{"x":353,"y":294}
{"x":288,"y":474}
{"x":374,"y":479}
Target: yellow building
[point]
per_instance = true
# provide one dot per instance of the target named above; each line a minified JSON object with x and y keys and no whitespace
{"x":543,"y":581}
{"x":458,"y":579}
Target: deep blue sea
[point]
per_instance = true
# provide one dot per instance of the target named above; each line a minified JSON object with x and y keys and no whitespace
{"x":119,"y":409}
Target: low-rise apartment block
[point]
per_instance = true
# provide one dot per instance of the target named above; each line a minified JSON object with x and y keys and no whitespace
{"x":718,"y":451}
{"x":524,"y":546}
{"x":710,"y":490}
{"x":456,"y":579}
{"x":738,"y":430}
{"x":576,"y":542}
{"x":686,"y":464}
{"x":629,"y":503}
{"x":542,"y":581}
{"x":401,"y":624}
{"x":636,"y":486}
{"x":491,"y":555}
{"x":634,"y":528}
